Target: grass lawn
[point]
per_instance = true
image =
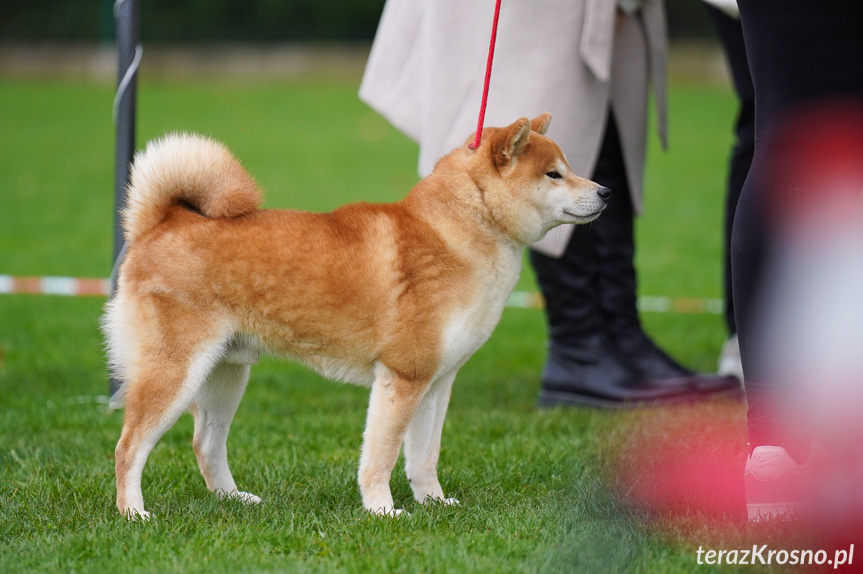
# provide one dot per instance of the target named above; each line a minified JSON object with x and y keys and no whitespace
{"x":554,"y":491}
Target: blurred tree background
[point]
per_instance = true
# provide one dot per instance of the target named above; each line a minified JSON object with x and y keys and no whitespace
{"x":239,"y":20}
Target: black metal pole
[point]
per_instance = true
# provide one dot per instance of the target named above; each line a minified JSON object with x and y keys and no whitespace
{"x":128,"y":58}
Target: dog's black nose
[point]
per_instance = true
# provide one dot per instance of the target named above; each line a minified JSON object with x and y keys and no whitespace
{"x":604,"y":193}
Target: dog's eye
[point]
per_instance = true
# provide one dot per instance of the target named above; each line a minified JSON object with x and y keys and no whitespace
{"x":554,"y":175}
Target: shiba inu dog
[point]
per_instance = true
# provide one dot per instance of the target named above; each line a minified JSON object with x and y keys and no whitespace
{"x":395,"y":297}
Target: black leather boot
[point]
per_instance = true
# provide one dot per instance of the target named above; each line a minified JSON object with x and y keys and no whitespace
{"x":616,"y":281}
{"x":592,"y":374}
{"x":583,"y":367}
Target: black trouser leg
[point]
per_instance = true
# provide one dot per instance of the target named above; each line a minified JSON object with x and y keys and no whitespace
{"x":614,"y":245}
{"x":801,"y":53}
{"x":731,"y":37}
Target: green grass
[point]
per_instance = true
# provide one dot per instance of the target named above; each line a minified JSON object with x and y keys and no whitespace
{"x":540,"y":490}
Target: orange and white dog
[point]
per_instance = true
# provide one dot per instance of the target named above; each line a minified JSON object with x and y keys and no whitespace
{"x":395,"y":297}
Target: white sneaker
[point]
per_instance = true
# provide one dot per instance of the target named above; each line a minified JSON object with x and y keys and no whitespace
{"x":776,"y":486}
{"x":729,"y":359}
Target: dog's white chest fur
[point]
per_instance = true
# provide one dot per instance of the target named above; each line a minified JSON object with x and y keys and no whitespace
{"x":470,"y":326}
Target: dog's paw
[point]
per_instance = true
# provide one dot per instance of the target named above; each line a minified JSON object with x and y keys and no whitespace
{"x":246,"y":497}
{"x":391,"y":513}
{"x":135,"y":515}
{"x":440,"y":500}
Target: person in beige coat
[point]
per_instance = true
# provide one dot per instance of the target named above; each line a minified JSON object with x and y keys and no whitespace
{"x":590,"y":63}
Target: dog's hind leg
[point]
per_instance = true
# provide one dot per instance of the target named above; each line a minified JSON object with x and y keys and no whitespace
{"x":392,"y":405}
{"x":213,"y":408}
{"x":423,"y":439}
{"x":155,"y":399}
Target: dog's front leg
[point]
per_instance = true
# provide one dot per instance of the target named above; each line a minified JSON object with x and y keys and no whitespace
{"x":392,"y":404}
{"x":423,"y":439}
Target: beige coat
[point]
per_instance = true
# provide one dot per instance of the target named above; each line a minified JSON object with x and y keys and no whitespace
{"x":427,"y":64}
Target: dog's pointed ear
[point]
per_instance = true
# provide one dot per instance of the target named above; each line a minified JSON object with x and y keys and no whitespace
{"x":540,"y":123}
{"x":509,"y":142}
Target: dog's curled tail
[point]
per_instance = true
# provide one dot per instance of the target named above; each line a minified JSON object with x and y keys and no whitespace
{"x":190,"y":169}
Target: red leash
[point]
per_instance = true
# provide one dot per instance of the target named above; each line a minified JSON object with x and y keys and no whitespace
{"x":487,"y":77}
